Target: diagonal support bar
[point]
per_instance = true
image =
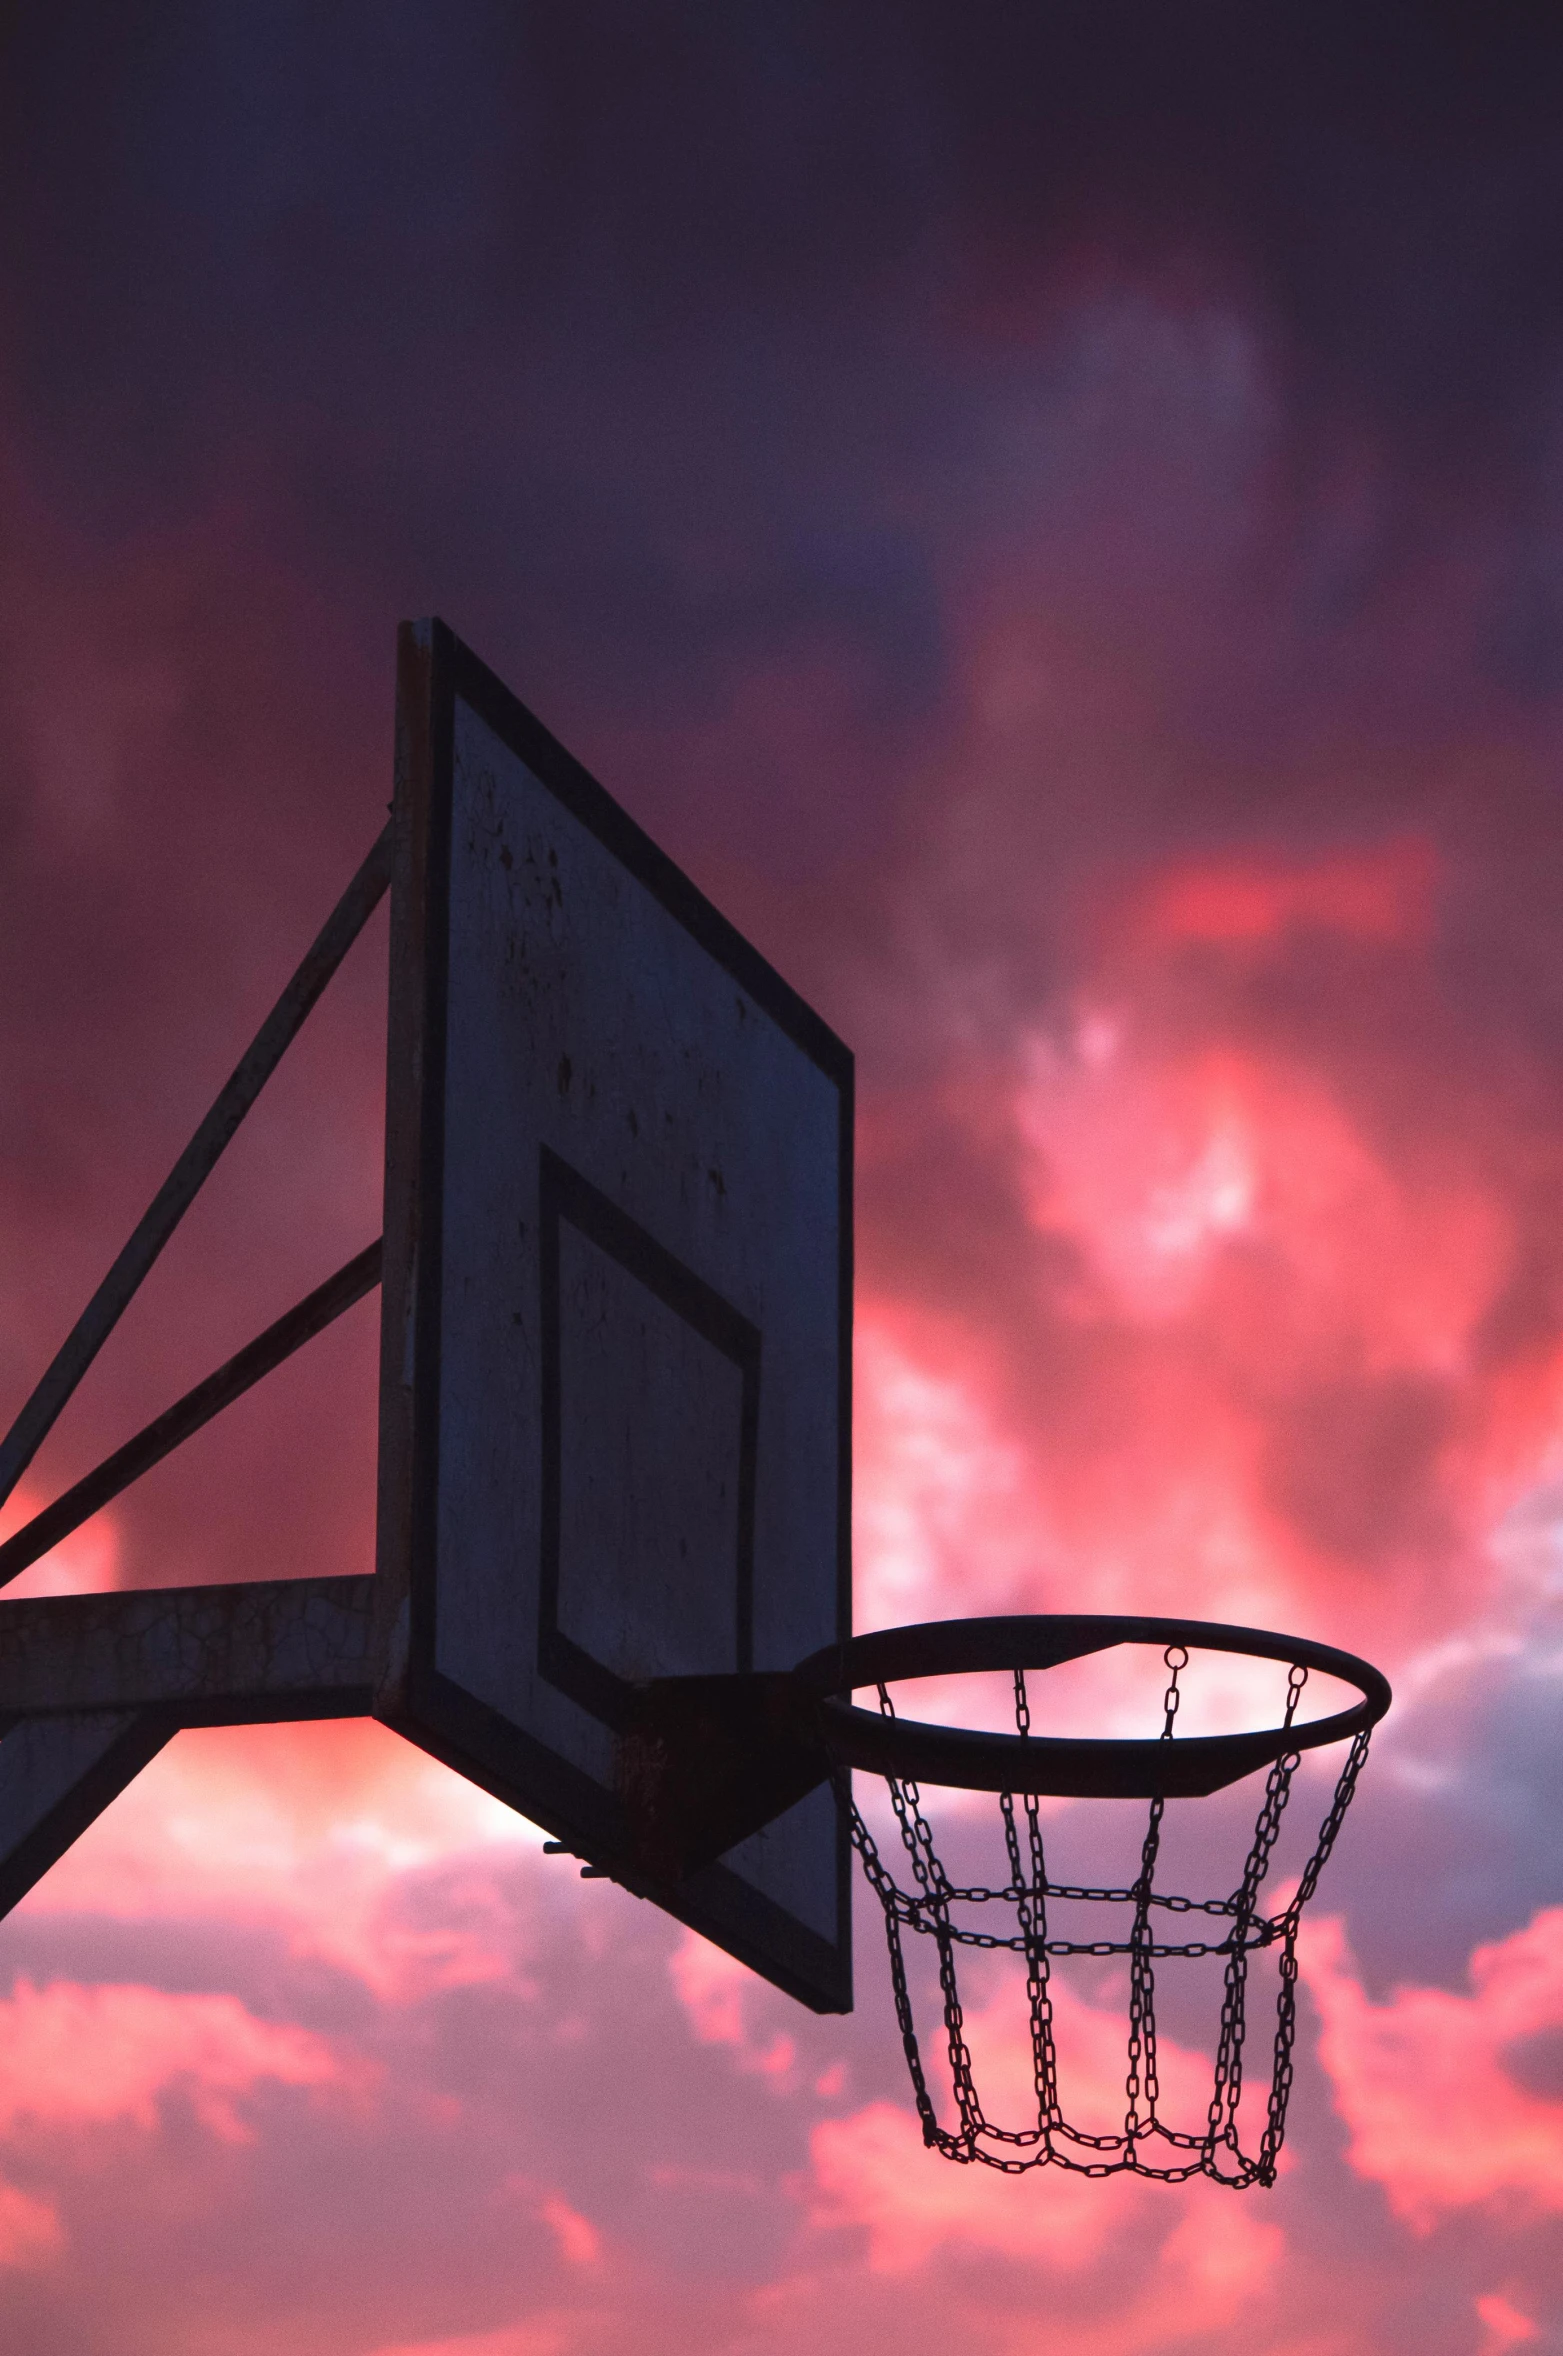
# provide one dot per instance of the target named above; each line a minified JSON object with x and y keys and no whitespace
{"x":96,"y":1685}
{"x":56,"y":1776}
{"x":176,"y":1424}
{"x":108,"y":1304}
{"x":249,"y":1653}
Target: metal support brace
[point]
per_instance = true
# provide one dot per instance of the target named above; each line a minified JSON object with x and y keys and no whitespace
{"x":56,"y":1776}
{"x":93,"y":1686}
{"x":702,"y":1762}
{"x":187,"y":1415}
{"x":245,"y":1654}
{"x":194,"y":1166}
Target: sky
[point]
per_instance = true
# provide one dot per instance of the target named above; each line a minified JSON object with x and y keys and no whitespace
{"x":1054,"y":517}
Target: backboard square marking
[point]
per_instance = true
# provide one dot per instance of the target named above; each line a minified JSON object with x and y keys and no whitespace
{"x":644,"y":1366}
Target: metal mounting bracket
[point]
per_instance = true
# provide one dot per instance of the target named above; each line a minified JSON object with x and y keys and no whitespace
{"x":705,"y":1761}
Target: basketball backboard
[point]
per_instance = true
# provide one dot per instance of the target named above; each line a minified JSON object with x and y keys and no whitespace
{"x":613,"y":1576}
{"x":615,"y":1386}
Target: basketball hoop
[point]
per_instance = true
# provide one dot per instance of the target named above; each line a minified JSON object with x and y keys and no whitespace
{"x":1022,"y":1767}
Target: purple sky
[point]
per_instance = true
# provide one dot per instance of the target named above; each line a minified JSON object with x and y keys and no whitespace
{"x":1052,"y":516}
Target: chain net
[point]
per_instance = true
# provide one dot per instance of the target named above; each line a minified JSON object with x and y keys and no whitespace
{"x":1238,"y":1930}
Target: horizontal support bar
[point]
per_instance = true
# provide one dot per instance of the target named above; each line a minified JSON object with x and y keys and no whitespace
{"x":249,"y":1653}
{"x":177,"y":1423}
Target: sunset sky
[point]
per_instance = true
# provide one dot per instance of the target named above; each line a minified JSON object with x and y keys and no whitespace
{"x":1053,"y":515}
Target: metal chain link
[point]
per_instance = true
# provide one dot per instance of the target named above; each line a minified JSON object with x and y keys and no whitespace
{"x":928,"y":1909}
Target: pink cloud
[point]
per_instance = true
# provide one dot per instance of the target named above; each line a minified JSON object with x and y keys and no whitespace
{"x":1226,"y":2254}
{"x":540,"y":2338}
{"x":308,"y":1829}
{"x":871,"y":2169}
{"x":30,"y":2229}
{"x":943,"y":1497}
{"x":580,"y":2244}
{"x":578,"y":2240}
{"x":85,"y":1563}
{"x":81,"y":2057}
{"x":1380,"y":894}
{"x":1424,"y":2082}
{"x":1221,"y":1341}
{"x":1191,"y":1190}
{"x":1504,"y":2325}
{"x":1162,"y":1156}
{"x":1135,"y":1458}
{"x":1138,"y":2255}
{"x":719,"y":1997}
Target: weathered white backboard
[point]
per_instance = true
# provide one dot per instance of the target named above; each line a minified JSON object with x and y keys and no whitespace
{"x":615,"y":1404}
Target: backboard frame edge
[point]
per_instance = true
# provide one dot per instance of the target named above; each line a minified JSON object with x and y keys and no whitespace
{"x":434,"y":670}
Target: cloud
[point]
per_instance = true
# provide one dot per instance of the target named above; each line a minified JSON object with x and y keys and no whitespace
{"x":1383,"y":893}
{"x":77,"y":2057}
{"x":718,"y":1996}
{"x":942,"y":1499}
{"x":30,"y":2229}
{"x":870,"y":2169}
{"x":1058,"y":529}
{"x":522,"y":2339}
{"x":85,"y":1563}
{"x":1174,"y":1274}
{"x":1433,"y":2085}
{"x":580,"y":2243}
{"x":1504,"y":2325}
{"x":1117,"y":2265}
{"x":313,"y":1832}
